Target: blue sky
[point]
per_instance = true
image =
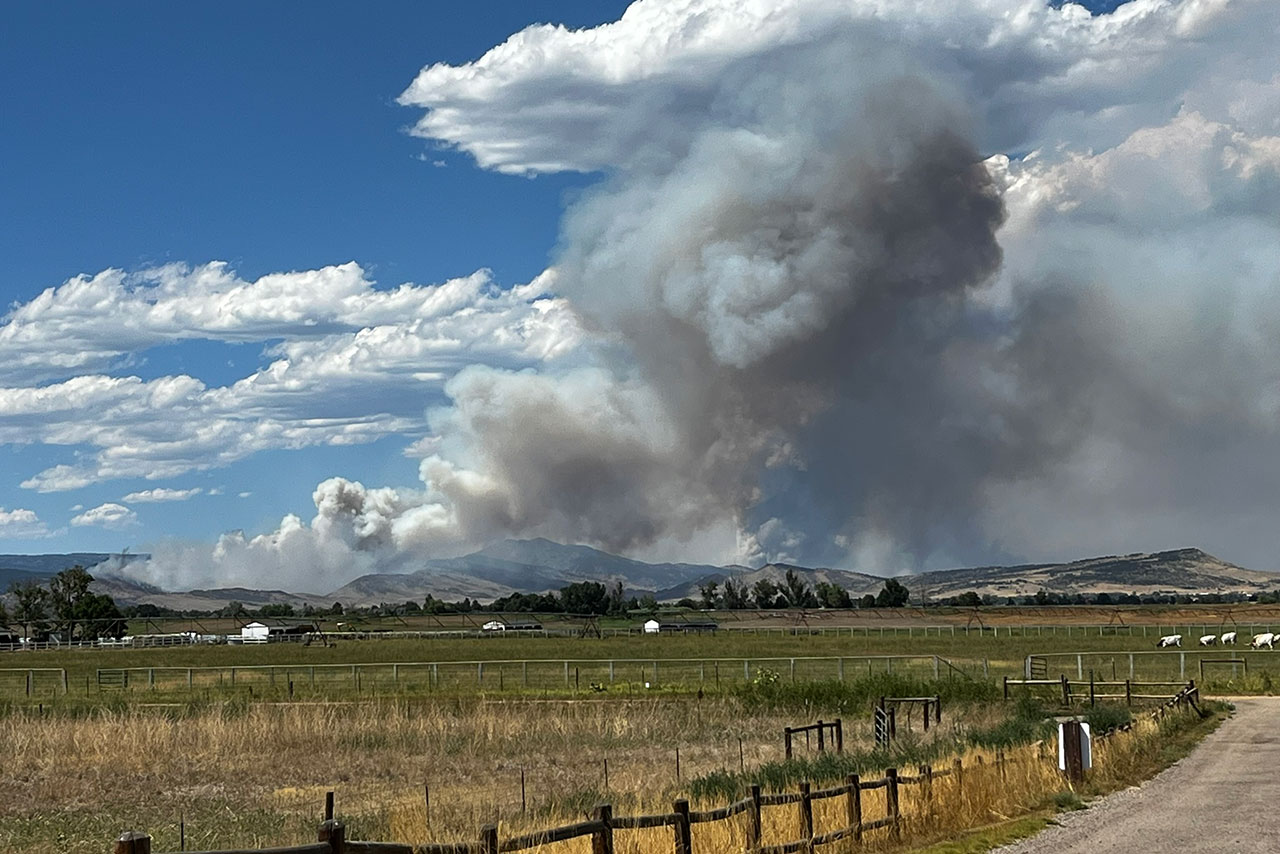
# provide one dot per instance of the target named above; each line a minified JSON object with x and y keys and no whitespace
{"x":265,"y":135}
{"x":296,"y":291}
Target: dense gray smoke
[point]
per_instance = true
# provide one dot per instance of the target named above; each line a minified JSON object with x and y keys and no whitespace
{"x":788,"y":294}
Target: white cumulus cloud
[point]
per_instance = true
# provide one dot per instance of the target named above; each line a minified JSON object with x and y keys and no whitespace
{"x":20,"y":522}
{"x":350,"y":364}
{"x":110,"y":515}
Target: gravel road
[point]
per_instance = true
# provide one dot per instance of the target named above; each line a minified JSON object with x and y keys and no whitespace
{"x":1222,"y":798}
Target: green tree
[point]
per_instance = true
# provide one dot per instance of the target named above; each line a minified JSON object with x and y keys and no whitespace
{"x":832,"y":595}
{"x":276,"y":609}
{"x":969,"y":599}
{"x":735,"y":595}
{"x":617,"y":603}
{"x":797,"y":592}
{"x":585,"y":597}
{"x":650,"y":604}
{"x":710,"y":595}
{"x":765,"y":592}
{"x":867,"y":601}
{"x":336,"y":610}
{"x":893,"y":595}
{"x":99,"y":617}
{"x":68,"y":591}
{"x":31,"y":608}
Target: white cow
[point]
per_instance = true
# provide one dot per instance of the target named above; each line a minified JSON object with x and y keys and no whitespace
{"x":1266,"y":639}
{"x":1229,"y":637}
{"x":1169,"y":640}
{"x":1208,"y":640}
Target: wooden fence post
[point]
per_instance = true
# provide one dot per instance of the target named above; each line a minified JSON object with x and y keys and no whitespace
{"x":602,"y":839}
{"x":937,"y":710}
{"x":957,"y":771}
{"x":786,"y":737}
{"x":853,"y":806}
{"x":891,"y":802}
{"x":806,"y":815}
{"x":335,"y":834}
{"x":133,"y":842}
{"x":489,"y":839}
{"x":753,"y":819}
{"x":1071,"y":737}
{"x":839,"y":736}
{"x":821,"y":740}
{"x":328,"y":806}
{"x":1066,"y":691}
{"x":926,"y":788}
{"x":1006,"y":687}
{"x":684,"y":838}
{"x":1128,"y":692}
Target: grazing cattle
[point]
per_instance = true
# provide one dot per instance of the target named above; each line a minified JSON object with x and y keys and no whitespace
{"x":1266,"y":639}
{"x":1208,"y":640}
{"x":1229,"y":637}
{"x":1169,"y":640}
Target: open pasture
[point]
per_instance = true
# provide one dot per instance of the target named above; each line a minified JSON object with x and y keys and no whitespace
{"x":1221,"y":617}
{"x":618,"y":664}
{"x":254,"y":774}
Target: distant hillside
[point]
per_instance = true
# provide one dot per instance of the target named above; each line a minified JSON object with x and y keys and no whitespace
{"x":24,"y":567}
{"x":538,"y":566}
{"x":517,"y":566}
{"x":1177,"y":571}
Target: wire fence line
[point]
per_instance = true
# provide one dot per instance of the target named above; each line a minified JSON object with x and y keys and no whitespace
{"x":532,"y":674}
{"x":890,"y":631}
{"x":1202,"y":662}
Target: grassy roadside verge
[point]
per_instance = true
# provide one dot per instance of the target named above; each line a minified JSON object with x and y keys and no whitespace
{"x":1174,"y":739}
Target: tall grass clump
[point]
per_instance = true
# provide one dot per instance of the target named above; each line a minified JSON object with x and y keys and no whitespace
{"x":856,"y":695}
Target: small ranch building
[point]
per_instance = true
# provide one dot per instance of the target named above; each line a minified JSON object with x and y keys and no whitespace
{"x":654,"y":626}
{"x":263,"y":633}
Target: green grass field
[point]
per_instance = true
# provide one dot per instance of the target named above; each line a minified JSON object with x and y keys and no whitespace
{"x":560,"y":665}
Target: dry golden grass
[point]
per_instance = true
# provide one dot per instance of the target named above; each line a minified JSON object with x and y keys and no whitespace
{"x":257,"y":774}
{"x":252,"y":776}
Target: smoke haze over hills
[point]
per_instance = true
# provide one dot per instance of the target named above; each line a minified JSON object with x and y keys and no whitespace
{"x":882,"y":285}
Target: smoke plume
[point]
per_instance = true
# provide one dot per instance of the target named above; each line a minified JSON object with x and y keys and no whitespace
{"x":830,"y":323}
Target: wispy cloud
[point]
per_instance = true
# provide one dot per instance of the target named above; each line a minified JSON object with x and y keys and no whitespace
{"x":152,"y":496}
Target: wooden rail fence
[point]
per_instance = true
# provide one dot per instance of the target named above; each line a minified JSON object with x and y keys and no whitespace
{"x":1070,"y":690}
{"x":837,"y":735}
{"x":603,"y":823}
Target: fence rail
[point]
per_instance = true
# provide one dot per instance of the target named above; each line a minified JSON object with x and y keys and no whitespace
{"x":1147,"y":664}
{"x":890,"y":625}
{"x":499,"y":675}
{"x":603,"y":823}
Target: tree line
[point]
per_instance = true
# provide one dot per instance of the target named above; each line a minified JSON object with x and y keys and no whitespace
{"x":66,"y":608}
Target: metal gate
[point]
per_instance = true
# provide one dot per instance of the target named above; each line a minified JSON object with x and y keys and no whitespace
{"x":885,"y":726}
{"x":1037,"y":667}
{"x":113,"y":680}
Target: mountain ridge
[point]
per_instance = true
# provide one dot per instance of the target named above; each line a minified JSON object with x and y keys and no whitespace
{"x":540,"y":565}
